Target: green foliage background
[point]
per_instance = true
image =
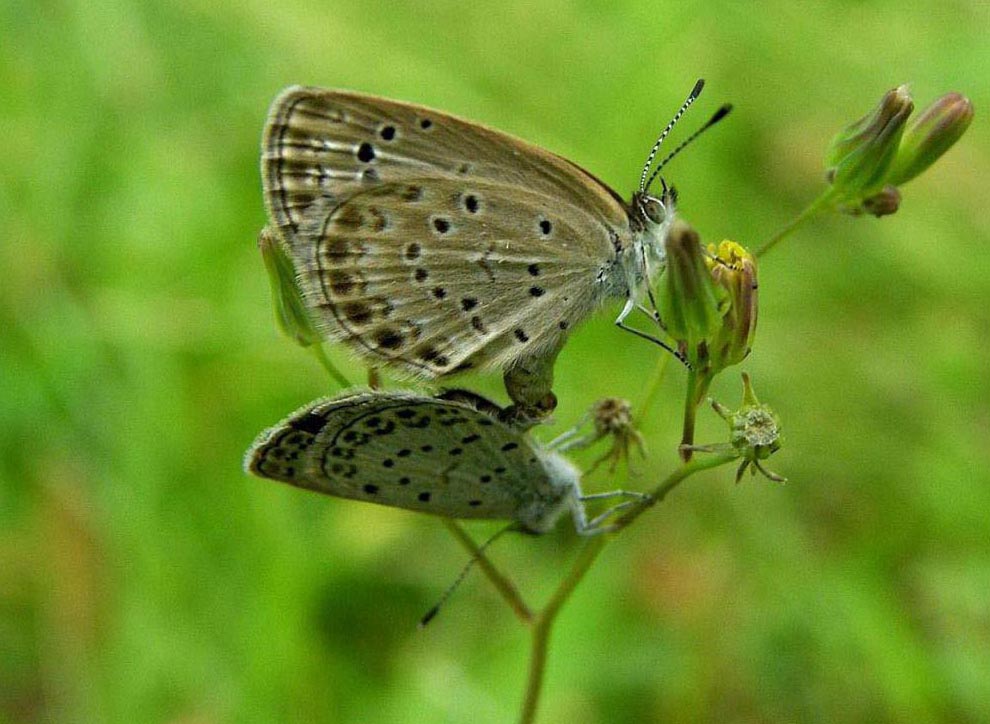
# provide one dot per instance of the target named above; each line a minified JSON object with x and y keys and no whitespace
{"x":144,"y":577}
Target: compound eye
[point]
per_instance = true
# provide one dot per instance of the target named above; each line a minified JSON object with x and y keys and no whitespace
{"x":654,"y":210}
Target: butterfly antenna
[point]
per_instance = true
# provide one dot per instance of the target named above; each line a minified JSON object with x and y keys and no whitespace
{"x":718,"y":116}
{"x":435,"y":609}
{"x":695,"y":92}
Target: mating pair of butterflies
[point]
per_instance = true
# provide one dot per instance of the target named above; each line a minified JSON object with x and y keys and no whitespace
{"x":432,"y":245}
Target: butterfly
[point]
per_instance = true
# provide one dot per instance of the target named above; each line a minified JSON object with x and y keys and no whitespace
{"x":432,"y":245}
{"x":449,"y":455}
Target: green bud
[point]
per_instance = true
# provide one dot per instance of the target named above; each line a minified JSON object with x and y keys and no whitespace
{"x":861,"y":155}
{"x":689,"y":301}
{"x":290,"y":310}
{"x":733,"y":269}
{"x":930,"y":135}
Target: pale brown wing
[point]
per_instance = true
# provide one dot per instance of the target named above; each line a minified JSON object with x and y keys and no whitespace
{"x":328,"y":144}
{"x":430,"y":243}
{"x":414,"y":452}
{"x":438,"y":275}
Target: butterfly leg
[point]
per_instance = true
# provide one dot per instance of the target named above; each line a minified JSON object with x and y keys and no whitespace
{"x":680,"y":357}
{"x":636,"y":495}
{"x":594,"y":526}
{"x":573,"y":438}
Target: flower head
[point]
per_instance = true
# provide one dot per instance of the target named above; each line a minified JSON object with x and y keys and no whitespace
{"x":733,"y":270}
{"x":754,"y":434}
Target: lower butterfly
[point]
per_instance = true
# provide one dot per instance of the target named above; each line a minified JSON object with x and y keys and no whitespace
{"x":449,"y":456}
{"x":432,"y":245}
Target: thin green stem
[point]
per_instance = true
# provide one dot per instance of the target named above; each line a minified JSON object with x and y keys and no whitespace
{"x":325,"y":362}
{"x":502,"y":584}
{"x":672,"y":481}
{"x":544,"y":619}
{"x":697,"y":387}
{"x":822,"y":203}
{"x":543,"y":623}
{"x":652,"y":388}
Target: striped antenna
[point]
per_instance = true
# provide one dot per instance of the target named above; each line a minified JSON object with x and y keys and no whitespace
{"x":716,"y":117}
{"x":435,"y":609}
{"x":695,"y":92}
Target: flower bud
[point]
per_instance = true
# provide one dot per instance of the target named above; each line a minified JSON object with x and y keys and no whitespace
{"x":733,"y":269}
{"x":930,"y":135}
{"x":708,"y":301}
{"x":290,"y":309}
{"x":689,"y":301}
{"x":860,"y":156}
{"x":754,"y":432}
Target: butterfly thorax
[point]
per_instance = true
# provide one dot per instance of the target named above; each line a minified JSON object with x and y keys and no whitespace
{"x":560,"y":492}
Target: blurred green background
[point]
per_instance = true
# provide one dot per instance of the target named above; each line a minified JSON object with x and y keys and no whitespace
{"x":144,"y":577}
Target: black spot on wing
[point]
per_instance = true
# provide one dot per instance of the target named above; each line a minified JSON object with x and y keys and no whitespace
{"x":311,"y":422}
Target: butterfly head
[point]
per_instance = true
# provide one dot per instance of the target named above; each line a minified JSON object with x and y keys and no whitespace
{"x":651,"y":217}
{"x":652,"y":212}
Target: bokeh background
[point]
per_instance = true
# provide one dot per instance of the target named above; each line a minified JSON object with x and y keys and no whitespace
{"x":144,"y":577}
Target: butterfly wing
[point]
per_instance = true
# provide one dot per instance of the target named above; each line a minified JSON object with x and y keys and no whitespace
{"x":412,"y":452}
{"x":437,"y":275}
{"x":327,"y":145}
{"x":430,"y":242}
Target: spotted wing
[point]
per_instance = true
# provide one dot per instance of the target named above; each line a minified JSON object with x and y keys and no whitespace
{"x":324,"y":146}
{"x":412,"y":452}
{"x":432,"y":243}
{"x":439,"y":275}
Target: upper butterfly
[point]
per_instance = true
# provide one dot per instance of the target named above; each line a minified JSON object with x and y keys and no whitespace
{"x":434,"y":245}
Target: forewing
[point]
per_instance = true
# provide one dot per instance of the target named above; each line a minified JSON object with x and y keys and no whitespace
{"x":324,"y":146}
{"x":406,"y":451}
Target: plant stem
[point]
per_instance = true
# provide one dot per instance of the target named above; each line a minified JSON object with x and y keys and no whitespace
{"x":822,"y":203}
{"x":543,"y":623}
{"x":697,"y":387}
{"x":502,"y":584}
{"x":652,"y":388}
{"x":544,"y":619}
{"x":672,"y":481}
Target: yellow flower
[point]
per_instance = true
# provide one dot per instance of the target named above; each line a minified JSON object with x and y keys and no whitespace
{"x":708,"y":300}
{"x":733,"y":269}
